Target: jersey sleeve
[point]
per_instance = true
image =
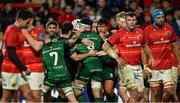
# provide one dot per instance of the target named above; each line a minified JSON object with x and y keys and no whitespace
{"x":39,"y":34}
{"x":172,"y":34}
{"x":11,"y":37}
{"x":114,"y":38}
{"x":73,"y":50}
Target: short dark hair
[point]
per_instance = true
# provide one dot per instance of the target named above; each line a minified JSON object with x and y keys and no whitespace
{"x":52,"y":23}
{"x":102,"y":21}
{"x":66,"y":27}
{"x":86,"y":20}
{"x":130,"y":13}
{"x":24,"y":14}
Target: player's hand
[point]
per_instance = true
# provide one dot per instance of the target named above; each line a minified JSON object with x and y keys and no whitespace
{"x":82,"y":29}
{"x":101,"y":53}
{"x":24,"y":31}
{"x":121,"y":62}
{"x":87,"y":42}
{"x":147,"y":71}
{"x":28,"y":71}
{"x":151,"y":62}
{"x":92,"y":52}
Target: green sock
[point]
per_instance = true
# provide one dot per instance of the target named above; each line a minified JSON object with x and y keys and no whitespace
{"x":99,"y":100}
{"x":81,"y":98}
{"x":112,"y":98}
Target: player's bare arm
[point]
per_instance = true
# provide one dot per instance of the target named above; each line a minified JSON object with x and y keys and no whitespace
{"x":107,"y":48}
{"x":35,"y":44}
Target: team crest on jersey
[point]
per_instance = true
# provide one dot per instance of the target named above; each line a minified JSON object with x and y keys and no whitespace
{"x":168,"y":33}
{"x":139,"y":36}
{"x":34,"y":35}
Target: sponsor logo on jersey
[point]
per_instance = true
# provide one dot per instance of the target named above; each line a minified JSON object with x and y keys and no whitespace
{"x":134,"y":44}
{"x":161,"y":41}
{"x":168,"y":33}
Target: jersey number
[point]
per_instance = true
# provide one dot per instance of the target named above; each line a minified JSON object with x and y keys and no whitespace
{"x":55,"y":54}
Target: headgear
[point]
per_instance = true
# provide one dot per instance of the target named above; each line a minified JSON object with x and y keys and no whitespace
{"x":157,"y":12}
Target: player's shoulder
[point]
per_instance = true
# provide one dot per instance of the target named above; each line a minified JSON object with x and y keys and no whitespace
{"x":149,"y":27}
{"x":138,"y":29}
{"x":11,"y":27}
{"x":38,"y":28}
{"x":167,"y":25}
{"x":120,"y":31}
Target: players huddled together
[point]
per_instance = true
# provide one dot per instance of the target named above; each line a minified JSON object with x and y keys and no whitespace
{"x":142,"y":65}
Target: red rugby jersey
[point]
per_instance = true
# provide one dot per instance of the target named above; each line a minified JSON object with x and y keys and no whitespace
{"x":12,"y":38}
{"x":31,"y":58}
{"x":129,"y":44}
{"x":159,"y":40}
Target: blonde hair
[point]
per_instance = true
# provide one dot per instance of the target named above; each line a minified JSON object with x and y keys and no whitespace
{"x":120,"y":14}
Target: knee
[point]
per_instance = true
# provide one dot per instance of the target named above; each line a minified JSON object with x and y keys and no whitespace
{"x":29,"y":96}
{"x":109,"y":90}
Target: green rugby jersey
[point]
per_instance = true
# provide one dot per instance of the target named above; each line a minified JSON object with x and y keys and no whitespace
{"x":54,"y":60}
{"x":93,"y":36}
{"x":83,"y":49}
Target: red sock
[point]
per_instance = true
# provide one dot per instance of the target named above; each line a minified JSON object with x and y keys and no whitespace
{"x":164,"y":99}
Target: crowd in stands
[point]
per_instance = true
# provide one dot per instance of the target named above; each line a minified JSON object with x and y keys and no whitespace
{"x":68,"y":10}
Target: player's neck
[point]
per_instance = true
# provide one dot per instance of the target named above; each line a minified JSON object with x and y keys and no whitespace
{"x":158,"y":26}
{"x":17,"y":24}
{"x":129,"y":29}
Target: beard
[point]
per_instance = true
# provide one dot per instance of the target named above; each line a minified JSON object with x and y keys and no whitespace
{"x":24,"y":27}
{"x":159,"y":25}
